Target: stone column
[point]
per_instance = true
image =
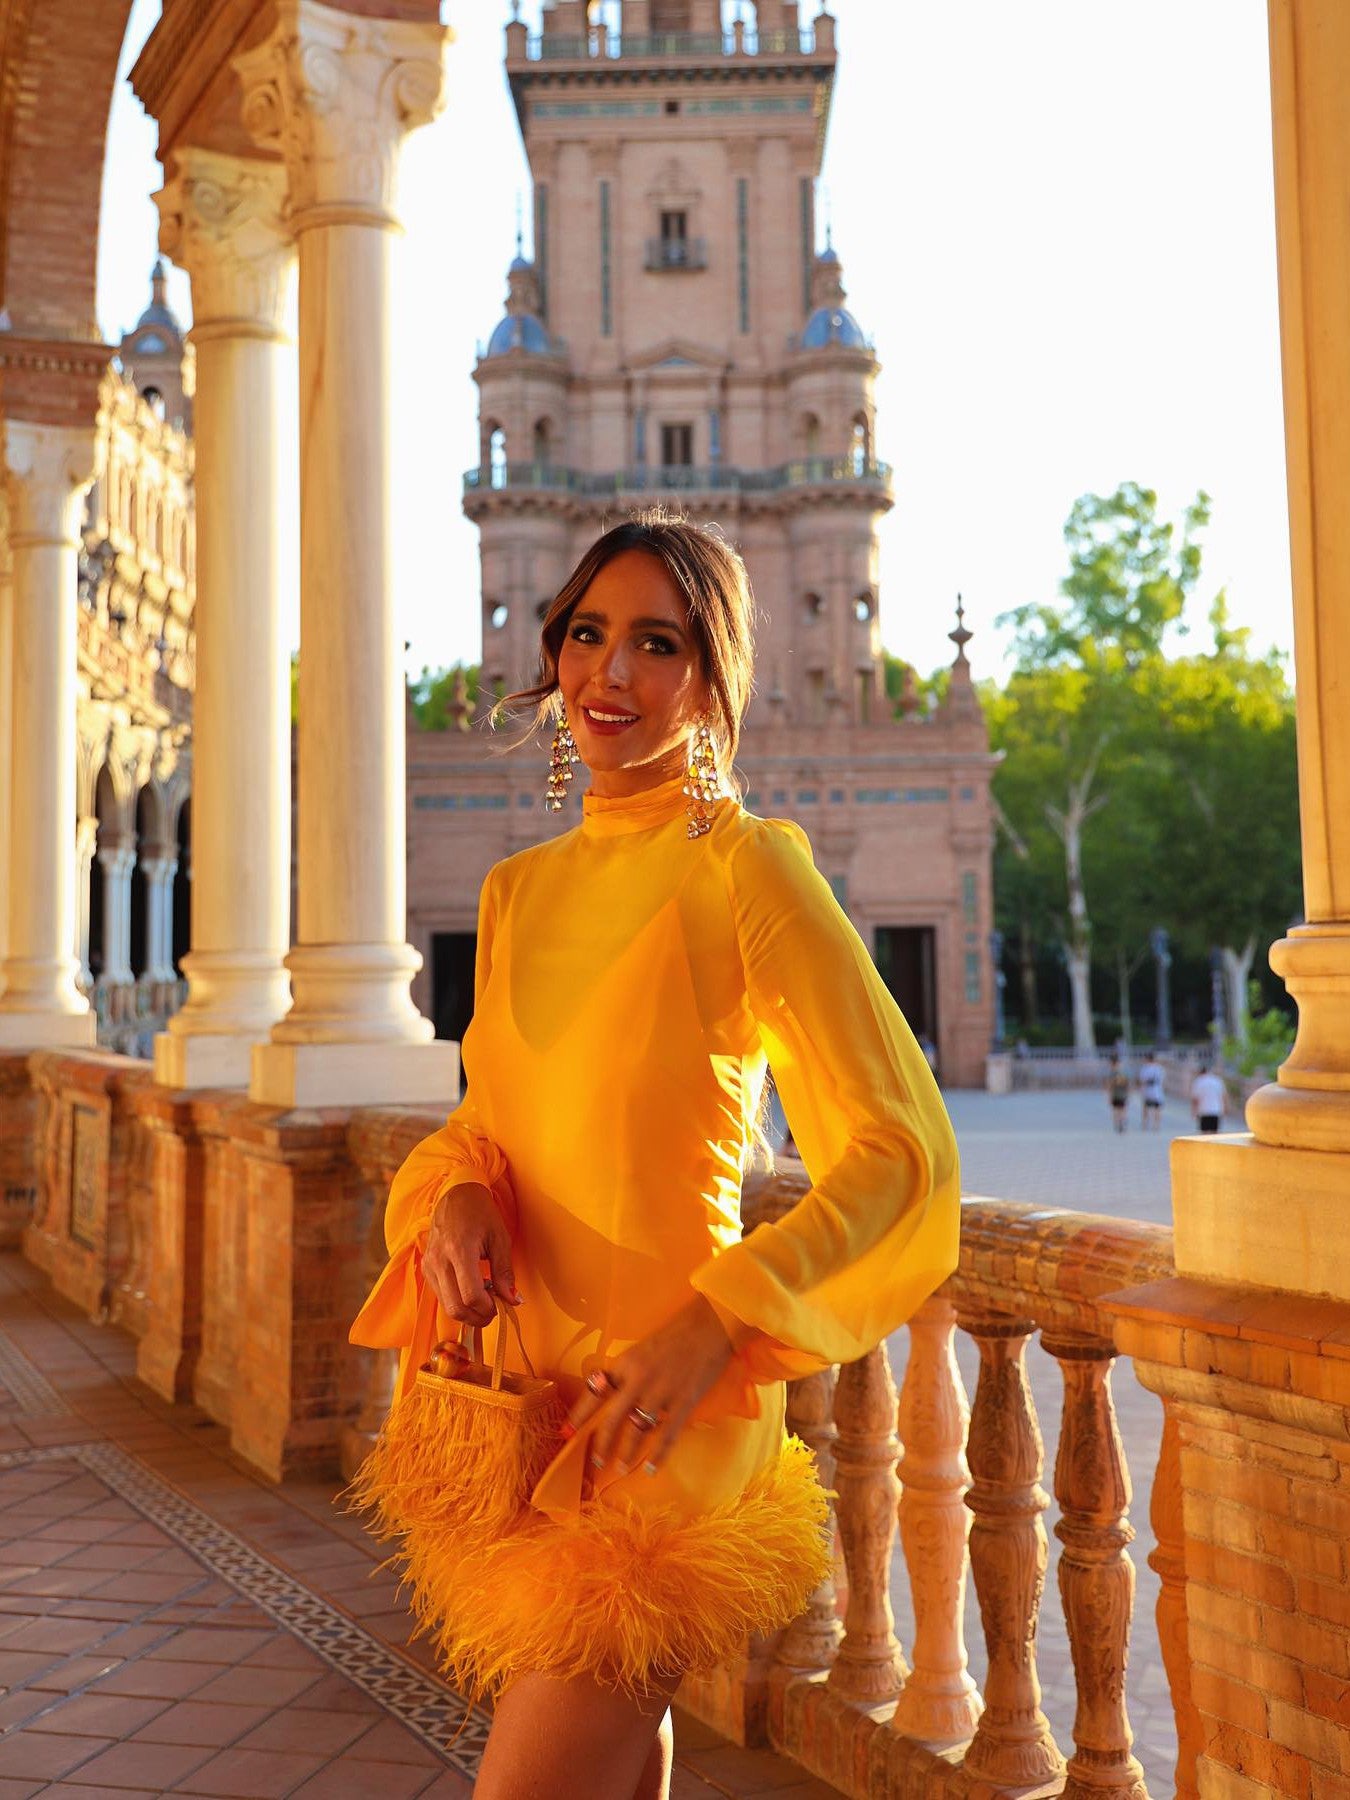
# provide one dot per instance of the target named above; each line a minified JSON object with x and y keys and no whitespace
{"x":220,"y":219}
{"x":1309,"y":1108}
{"x":48,"y":469}
{"x":116,"y":861}
{"x":159,"y":870}
{"x":86,"y":839}
{"x":1258,"y":1209}
{"x":335,"y":94}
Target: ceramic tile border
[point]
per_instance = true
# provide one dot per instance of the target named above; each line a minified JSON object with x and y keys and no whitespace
{"x":436,"y":1715}
{"x":33,"y":1393}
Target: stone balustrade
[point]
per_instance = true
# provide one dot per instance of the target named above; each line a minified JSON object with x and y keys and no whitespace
{"x":962,"y":1486}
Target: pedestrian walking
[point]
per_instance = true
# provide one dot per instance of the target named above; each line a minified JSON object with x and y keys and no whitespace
{"x":1118,"y":1091}
{"x":1151,"y":1094}
{"x":1209,"y":1099}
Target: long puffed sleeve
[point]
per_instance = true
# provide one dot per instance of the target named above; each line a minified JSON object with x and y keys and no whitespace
{"x":878,"y":1230}
{"x":461,"y":1151}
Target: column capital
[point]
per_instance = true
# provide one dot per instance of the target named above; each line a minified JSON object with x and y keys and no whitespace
{"x":48,"y":470}
{"x":117,"y":859}
{"x":222,"y":219}
{"x":335,"y":95}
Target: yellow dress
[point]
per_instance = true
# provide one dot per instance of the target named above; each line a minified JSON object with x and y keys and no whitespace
{"x":631,"y":987}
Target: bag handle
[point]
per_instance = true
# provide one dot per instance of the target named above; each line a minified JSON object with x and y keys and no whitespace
{"x":471,"y":1336}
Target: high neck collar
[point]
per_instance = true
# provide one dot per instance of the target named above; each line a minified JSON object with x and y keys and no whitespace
{"x":604,"y":815}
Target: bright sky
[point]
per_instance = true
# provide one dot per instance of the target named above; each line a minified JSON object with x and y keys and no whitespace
{"x":1056,"y":220}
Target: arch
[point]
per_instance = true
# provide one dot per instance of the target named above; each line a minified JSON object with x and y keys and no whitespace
{"x":813,"y":605}
{"x":860,"y":444}
{"x":543,"y":443}
{"x":59,"y":61}
{"x":149,"y":824}
{"x":810,"y":434}
{"x":494,"y":453}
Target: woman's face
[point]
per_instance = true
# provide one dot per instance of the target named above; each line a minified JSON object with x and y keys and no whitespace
{"x":631,"y":677}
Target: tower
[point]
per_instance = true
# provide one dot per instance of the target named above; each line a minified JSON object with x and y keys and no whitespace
{"x":679,"y":335}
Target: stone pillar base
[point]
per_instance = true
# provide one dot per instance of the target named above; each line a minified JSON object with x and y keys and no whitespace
{"x":303,"y":1275}
{"x":204,"y":1061}
{"x":375,"y":1074}
{"x":1248,"y":1212}
{"x":48,"y":1030}
{"x":18,"y":1149}
{"x":1259,"y":1385}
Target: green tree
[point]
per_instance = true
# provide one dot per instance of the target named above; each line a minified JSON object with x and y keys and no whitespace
{"x":1130,"y":575}
{"x":438,"y":694}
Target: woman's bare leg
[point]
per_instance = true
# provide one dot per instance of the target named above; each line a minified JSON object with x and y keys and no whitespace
{"x":655,"y":1780}
{"x":573,"y":1740}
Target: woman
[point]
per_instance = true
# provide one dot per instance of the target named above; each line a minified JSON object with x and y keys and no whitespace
{"x":634,"y":978}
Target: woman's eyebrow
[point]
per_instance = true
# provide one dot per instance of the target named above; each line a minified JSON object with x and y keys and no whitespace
{"x":590,"y":616}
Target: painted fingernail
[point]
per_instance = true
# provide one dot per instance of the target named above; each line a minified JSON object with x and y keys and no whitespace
{"x":597,"y":1461}
{"x":649,"y":1468}
{"x":567,"y":1429}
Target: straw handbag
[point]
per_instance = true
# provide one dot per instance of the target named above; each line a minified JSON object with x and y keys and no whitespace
{"x":464,"y":1446}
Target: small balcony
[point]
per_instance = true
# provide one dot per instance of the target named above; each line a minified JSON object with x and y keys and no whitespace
{"x":677,"y":253}
{"x":600,"y":44}
{"x":654,"y":478}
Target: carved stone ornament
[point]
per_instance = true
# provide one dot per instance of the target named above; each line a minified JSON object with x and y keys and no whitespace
{"x":48,"y":470}
{"x":221,"y":219}
{"x":335,"y":95}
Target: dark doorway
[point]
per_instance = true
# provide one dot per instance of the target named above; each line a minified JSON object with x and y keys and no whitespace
{"x":452,"y":959}
{"x":906,"y":959}
{"x":182,"y":889}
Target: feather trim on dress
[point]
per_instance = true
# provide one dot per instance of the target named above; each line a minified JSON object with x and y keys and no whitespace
{"x":616,"y":1593}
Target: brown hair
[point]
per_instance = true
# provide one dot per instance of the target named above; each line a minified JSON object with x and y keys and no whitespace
{"x":710,"y":576}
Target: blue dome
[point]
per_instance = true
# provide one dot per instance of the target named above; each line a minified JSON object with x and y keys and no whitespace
{"x":519,"y":331}
{"x":833,"y":325}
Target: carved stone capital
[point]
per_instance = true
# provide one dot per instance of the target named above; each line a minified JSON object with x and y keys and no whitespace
{"x":48,"y":470}
{"x":335,"y":95}
{"x":222,"y":219}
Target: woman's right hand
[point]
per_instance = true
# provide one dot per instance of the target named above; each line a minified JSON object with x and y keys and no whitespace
{"x":466,"y":1231}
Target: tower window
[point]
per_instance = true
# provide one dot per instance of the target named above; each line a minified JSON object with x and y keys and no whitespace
{"x":677,"y":446}
{"x":674,"y":227}
{"x":672,"y":106}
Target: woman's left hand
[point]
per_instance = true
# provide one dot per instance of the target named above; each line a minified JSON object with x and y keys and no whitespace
{"x":666,"y":1375}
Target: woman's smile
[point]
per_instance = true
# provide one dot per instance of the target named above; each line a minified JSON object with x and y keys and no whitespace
{"x":608,"y":723}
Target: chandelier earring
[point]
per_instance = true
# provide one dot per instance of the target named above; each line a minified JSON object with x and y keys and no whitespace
{"x":561,"y":758}
{"x":703,"y":784}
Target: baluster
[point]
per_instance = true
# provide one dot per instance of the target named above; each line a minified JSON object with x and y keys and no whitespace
{"x":1096,"y":1575}
{"x":869,"y":1666}
{"x":1012,"y":1746}
{"x":811,"y":1641}
{"x":1168,"y":1561}
{"x":940,"y":1703}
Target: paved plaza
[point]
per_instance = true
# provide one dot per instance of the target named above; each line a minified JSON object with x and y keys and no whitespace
{"x":169,"y":1624}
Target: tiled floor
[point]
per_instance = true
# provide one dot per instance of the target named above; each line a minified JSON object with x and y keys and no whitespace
{"x":169,"y":1625}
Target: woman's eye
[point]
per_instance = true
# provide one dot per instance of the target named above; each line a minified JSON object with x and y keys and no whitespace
{"x":583,"y":634}
{"x":662,"y":645}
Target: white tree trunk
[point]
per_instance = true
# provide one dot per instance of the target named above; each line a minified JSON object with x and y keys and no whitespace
{"x":1237,"y":970}
{"x":1068,"y":827}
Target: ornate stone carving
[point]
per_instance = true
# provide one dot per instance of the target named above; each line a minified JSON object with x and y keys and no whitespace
{"x":335,"y":94}
{"x":869,"y":1666}
{"x":812,"y":1641}
{"x":48,"y":469}
{"x":220,"y":218}
{"x":1168,"y":1561}
{"x":1096,"y":1575}
{"x":940,"y":1703}
{"x":1013,"y":1746}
